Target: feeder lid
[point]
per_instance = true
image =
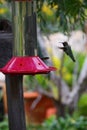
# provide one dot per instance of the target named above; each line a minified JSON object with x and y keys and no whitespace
{"x":26,"y":65}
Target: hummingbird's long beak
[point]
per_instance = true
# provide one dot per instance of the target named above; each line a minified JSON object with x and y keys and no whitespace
{"x":61,"y":48}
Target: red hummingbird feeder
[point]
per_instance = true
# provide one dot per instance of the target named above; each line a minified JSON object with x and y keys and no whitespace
{"x":26,"y":65}
{"x":24,"y":62}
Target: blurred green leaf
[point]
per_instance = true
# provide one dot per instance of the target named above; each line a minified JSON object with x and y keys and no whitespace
{"x":82,"y":105}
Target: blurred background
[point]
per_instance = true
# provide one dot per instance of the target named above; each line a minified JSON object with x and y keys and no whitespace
{"x":58,"y":100}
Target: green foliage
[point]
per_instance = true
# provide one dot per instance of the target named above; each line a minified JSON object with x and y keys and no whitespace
{"x":80,"y":59}
{"x":47,"y":18}
{"x":34,"y":127}
{"x":70,"y":14}
{"x":82,"y":105}
{"x":4,"y":125}
{"x":69,"y":67}
{"x":48,"y":85}
{"x":67,"y":123}
{"x":5,"y":11}
{"x":42,"y":81}
{"x":29,"y":82}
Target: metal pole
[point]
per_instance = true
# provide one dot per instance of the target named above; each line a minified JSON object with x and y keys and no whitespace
{"x":15,"y":102}
{"x":14,"y":83}
{"x":31,"y":30}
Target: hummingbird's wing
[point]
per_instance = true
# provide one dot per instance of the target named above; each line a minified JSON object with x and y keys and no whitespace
{"x":70,"y":54}
{"x":61,"y":48}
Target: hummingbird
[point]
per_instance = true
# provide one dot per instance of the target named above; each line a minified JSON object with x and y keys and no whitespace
{"x":67,"y":49}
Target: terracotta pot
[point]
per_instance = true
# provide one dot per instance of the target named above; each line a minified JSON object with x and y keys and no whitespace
{"x":38,"y":107}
